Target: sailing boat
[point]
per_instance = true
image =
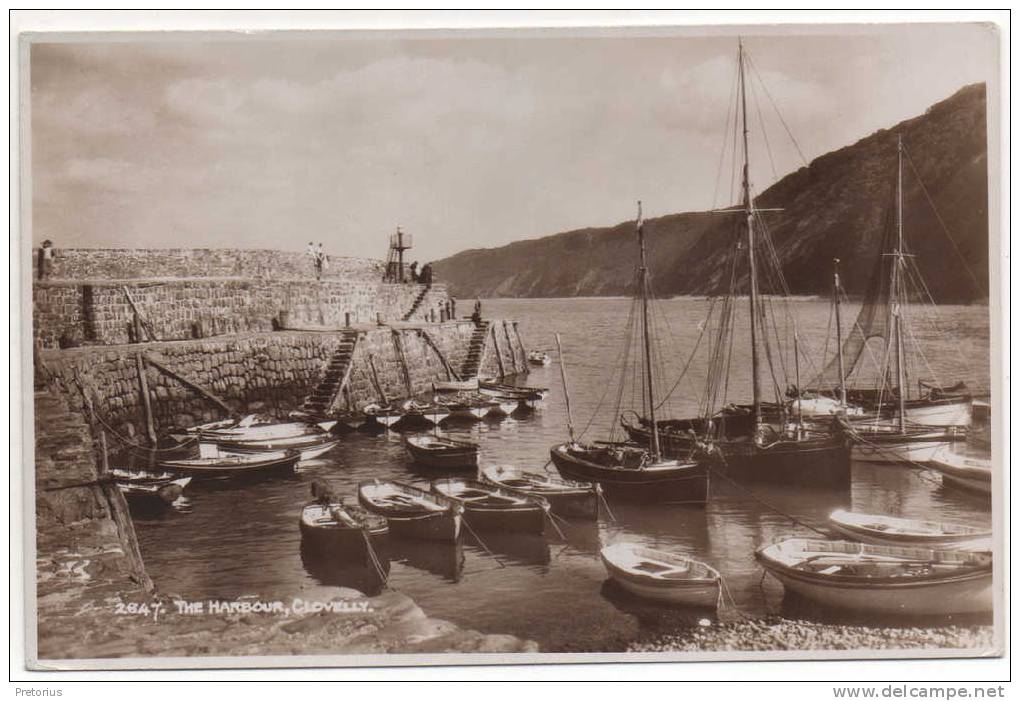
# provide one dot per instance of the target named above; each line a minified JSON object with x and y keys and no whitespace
{"x":756,"y":442}
{"x":623,"y":469}
{"x":898,"y":439}
{"x":883,"y":316}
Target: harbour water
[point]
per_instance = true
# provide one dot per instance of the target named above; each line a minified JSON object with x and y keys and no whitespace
{"x":228,"y":542}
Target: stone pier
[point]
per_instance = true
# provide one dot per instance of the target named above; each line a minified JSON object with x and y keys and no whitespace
{"x":119,"y":331}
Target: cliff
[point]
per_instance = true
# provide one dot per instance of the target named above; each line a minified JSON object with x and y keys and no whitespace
{"x":833,"y":208}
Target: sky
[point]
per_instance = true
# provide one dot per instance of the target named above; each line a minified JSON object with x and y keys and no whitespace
{"x":463,"y":141}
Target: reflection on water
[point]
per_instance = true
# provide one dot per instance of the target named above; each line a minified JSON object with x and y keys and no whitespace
{"x":228,"y":542}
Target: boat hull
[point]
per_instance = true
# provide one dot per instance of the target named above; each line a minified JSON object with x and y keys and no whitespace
{"x":444,"y":526}
{"x":305,"y":451}
{"x":823,"y":460}
{"x":971,"y":594}
{"x":679,"y":593}
{"x":956,"y":472}
{"x":524,"y":519}
{"x":446,"y":460}
{"x":278,"y":466}
{"x":686,"y":485}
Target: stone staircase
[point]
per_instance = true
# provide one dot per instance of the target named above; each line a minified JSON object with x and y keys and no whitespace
{"x":417,"y":302}
{"x":337,"y":373}
{"x":475,"y":349}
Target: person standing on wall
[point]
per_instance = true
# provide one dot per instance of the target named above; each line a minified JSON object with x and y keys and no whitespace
{"x":45,"y":259}
{"x":320,"y":261}
{"x":414,"y":271}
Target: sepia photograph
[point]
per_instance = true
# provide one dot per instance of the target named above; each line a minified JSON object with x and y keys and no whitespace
{"x":486,"y":346}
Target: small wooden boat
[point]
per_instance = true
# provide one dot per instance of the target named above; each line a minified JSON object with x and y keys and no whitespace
{"x":441,"y":452}
{"x":352,"y":420}
{"x":231,"y":466}
{"x":503,"y":406}
{"x":491,"y":508}
{"x":539,"y":358}
{"x":329,"y":524}
{"x":308,"y":447}
{"x":412,"y":512}
{"x":964,"y":471}
{"x":882,"y":579}
{"x":144,"y":488}
{"x":888,"y":530}
{"x":628,"y":471}
{"x":251,"y":428}
{"x":662,"y":576}
{"x":884,"y":441}
{"x":525,"y":397}
{"x":423,"y":413}
{"x":387,"y":416}
{"x":466,"y":408}
{"x":456,"y":385}
{"x":566,"y":498}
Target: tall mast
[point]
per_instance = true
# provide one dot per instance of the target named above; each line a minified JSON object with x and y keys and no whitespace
{"x":643,"y":291}
{"x":566,"y":390}
{"x":901,"y":376}
{"x":839,"y":332}
{"x":751,"y":269}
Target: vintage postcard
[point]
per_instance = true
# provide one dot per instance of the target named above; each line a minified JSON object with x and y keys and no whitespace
{"x":519,"y":346}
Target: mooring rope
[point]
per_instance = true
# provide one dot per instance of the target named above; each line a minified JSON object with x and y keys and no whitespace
{"x":374,"y":560}
{"x":480,"y":542}
{"x":605,"y":502}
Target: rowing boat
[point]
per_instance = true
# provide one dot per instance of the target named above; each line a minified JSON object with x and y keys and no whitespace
{"x":888,"y":530}
{"x":964,"y":471}
{"x":539,"y":358}
{"x":882,"y":579}
{"x":228,"y":466}
{"x":565,"y":497}
{"x":662,"y":576}
{"x":412,"y":512}
{"x":341,"y":528}
{"x":455,"y":385}
{"x":144,"y":488}
{"x":492,"y":508}
{"x":307,"y":447}
{"x":441,"y":452}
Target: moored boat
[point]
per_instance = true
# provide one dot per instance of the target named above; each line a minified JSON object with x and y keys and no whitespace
{"x":384,"y":415}
{"x":329,"y":524}
{"x":442,"y":452}
{"x":422,"y":413}
{"x":455,"y":385}
{"x":536,"y":357}
{"x":412,"y":512}
{"x":968,"y":472}
{"x":470,"y":408}
{"x":882,"y":579}
{"x":887,"y":442}
{"x":488,"y":508}
{"x":888,"y":530}
{"x":631,"y":472}
{"x":662,"y":576}
{"x":235,"y":466}
{"x":145,"y":488}
{"x":566,"y":498}
{"x":254,"y":428}
{"x":307,"y":447}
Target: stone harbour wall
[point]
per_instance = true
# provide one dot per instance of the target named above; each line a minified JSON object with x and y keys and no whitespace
{"x":134,"y":263}
{"x":76,"y":313}
{"x":272,"y":371}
